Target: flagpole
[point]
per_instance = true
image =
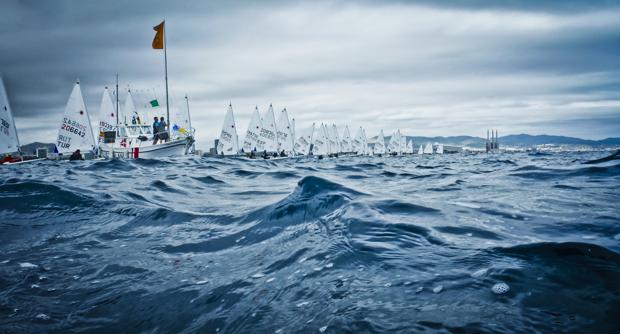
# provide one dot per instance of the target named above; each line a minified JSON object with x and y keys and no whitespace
{"x":166,"y":76}
{"x":117,"y":100}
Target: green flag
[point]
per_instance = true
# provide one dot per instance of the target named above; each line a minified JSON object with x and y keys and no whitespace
{"x":154,"y":103}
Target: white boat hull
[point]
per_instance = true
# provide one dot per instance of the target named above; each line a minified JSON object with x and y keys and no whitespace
{"x":171,"y":148}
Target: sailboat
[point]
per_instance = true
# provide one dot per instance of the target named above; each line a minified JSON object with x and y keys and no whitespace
{"x":9,"y":140}
{"x":379,"y":144}
{"x":228,"y":143}
{"x":267,"y":138}
{"x":293,"y":134}
{"x":421,"y":150}
{"x":285,"y":134}
{"x":107,"y":114}
{"x":346,"y":144}
{"x":358,"y":142}
{"x":409,"y":149}
{"x":439,"y":149}
{"x":304,"y":142}
{"x":75,"y":131}
{"x":320,"y":143}
{"x":250,"y":143}
{"x":136,"y":139}
{"x":334,"y":140}
{"x":428,"y":149}
{"x":395,"y":143}
{"x":402,"y":147}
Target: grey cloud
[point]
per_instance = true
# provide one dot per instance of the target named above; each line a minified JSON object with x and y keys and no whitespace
{"x":460,"y":66}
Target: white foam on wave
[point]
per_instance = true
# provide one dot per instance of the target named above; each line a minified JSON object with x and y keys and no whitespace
{"x":500,"y":288}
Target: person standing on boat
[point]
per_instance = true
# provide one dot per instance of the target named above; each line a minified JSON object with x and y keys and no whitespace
{"x":164,"y":129}
{"x":156,"y":126}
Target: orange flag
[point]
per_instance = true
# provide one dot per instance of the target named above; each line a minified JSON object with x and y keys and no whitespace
{"x":158,"y":40}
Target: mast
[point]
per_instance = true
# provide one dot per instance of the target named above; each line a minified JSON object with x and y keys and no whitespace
{"x":117,"y":100}
{"x":189,"y":118}
{"x":166,"y":76}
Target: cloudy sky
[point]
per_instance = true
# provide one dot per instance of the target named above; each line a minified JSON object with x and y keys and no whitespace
{"x":451,"y":69}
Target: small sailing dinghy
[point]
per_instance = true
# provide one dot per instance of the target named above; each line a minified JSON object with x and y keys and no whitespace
{"x":439,"y":149}
{"x":357,"y":145}
{"x":9,"y":141}
{"x":320,"y":143}
{"x":428,"y":149}
{"x":75,"y":132}
{"x":107,"y":114}
{"x":304,"y":142}
{"x":421,"y":150}
{"x":285,"y":134}
{"x":379,"y":145}
{"x":346,"y":143}
{"x":335,"y":140}
{"x":228,"y":143}
{"x":409,"y":147}
{"x":267,"y":141}
{"x":252,"y":135}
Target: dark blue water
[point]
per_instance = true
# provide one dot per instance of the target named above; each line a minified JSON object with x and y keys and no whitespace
{"x":407,"y":244}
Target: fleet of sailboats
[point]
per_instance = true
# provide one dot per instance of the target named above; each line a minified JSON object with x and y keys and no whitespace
{"x":266,"y":138}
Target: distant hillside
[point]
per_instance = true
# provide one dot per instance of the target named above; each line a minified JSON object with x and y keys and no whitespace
{"x":523,"y":140}
{"x":529,"y":140}
{"x":31,"y":149}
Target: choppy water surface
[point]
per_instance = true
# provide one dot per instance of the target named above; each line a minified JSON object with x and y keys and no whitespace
{"x":339,"y":245}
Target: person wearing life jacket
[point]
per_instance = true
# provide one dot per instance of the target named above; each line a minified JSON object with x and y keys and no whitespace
{"x":76,"y":156}
{"x":163,"y":132}
{"x":156,"y":126}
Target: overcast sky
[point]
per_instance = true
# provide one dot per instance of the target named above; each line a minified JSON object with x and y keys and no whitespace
{"x":522,"y":67}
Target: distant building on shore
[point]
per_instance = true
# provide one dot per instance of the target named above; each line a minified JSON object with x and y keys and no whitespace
{"x":492,"y":143}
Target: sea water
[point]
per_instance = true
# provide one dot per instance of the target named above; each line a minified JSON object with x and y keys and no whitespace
{"x":520,"y":242}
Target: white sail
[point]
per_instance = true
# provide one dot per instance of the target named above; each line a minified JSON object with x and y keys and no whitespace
{"x":107,"y":113}
{"x":403,"y":143}
{"x":320,"y":142}
{"x":440,"y":149}
{"x":129,"y":109}
{"x":428,"y":149}
{"x":285,"y":134}
{"x":336,"y":137}
{"x":421,"y":150}
{"x":267,"y":138}
{"x":346,"y":144}
{"x":380,"y":144}
{"x":302,"y":144}
{"x":252,"y":135}
{"x":410,"y":147}
{"x":393,"y":144}
{"x":9,"y":142}
{"x":228,"y":143}
{"x":358,"y":141}
{"x":75,"y":130}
